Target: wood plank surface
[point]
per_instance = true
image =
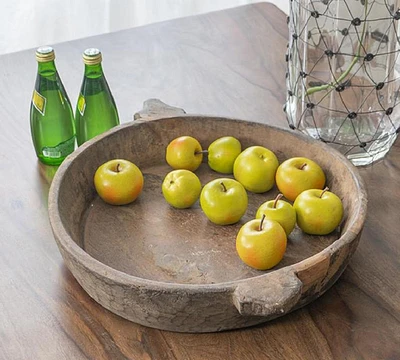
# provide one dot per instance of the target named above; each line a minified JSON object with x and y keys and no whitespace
{"x":228,"y":63}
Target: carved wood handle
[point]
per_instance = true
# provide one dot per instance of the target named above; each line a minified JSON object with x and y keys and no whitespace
{"x":155,"y":109}
{"x":270,"y":295}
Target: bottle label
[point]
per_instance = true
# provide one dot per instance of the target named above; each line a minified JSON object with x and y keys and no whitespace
{"x":61,"y":150}
{"x":81,"y":104}
{"x":39,"y":102}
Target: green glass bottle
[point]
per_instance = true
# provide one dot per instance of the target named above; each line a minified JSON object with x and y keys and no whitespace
{"x":51,"y":116}
{"x":96,"y":111}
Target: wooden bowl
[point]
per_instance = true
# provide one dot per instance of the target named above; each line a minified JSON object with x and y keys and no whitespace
{"x":173,"y":269}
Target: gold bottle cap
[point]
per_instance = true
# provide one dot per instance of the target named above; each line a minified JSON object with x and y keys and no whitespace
{"x":45,"y":53}
{"x":92,"y":56}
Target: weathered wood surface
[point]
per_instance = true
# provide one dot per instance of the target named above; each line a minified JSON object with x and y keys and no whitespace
{"x":176,"y":270}
{"x":228,"y":63}
{"x":154,"y":108}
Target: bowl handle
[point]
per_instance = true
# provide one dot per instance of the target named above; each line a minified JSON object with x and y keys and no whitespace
{"x":271,"y":295}
{"x":155,"y":109}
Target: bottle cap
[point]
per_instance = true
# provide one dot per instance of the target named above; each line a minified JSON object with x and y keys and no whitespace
{"x":45,"y":53}
{"x":92,"y":56}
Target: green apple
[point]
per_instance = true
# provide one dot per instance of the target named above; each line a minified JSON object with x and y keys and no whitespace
{"x":118,"y":181}
{"x":255,"y":169}
{"x":181,"y":188}
{"x":261,"y":243}
{"x":184,"y":152}
{"x":297,"y":174}
{"x":224,"y":201}
{"x":319,"y":212}
{"x":222,"y":153}
{"x":280,"y":211}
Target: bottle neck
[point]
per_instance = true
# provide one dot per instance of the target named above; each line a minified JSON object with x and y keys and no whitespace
{"x":93,"y":71}
{"x":47,"y":68}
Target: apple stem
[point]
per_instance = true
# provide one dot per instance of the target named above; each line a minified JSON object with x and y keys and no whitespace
{"x":278,"y":197}
{"x":201,"y":152}
{"x":303,"y":166}
{"x":118,"y":168}
{"x":223,"y":186}
{"x":261,"y":223}
{"x":324,"y":191}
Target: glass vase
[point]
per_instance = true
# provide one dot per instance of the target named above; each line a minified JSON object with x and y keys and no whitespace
{"x":343,"y":74}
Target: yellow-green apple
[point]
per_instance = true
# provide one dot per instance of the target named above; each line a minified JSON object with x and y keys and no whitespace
{"x":181,"y":188}
{"x":319,"y":212}
{"x":118,"y":181}
{"x":280,"y":211}
{"x":184,"y":152}
{"x":222,"y":153}
{"x":261,"y":243}
{"x":224,"y":201}
{"x":255,"y":169}
{"x":297,"y":174}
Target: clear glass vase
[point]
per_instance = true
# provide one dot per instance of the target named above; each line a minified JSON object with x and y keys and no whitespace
{"x":343,"y":74}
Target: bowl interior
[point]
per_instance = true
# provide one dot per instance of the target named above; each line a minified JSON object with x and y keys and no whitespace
{"x":151,"y":240}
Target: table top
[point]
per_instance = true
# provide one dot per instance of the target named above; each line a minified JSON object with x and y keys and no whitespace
{"x":227,"y":63}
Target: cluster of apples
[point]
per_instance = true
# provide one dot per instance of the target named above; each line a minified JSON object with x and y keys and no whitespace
{"x":261,"y":242}
{"x":224,"y":200}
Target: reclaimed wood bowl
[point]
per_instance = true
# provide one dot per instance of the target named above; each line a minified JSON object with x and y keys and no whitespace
{"x":173,"y":269}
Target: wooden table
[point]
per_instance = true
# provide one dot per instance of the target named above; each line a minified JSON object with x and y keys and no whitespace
{"x":228,"y":63}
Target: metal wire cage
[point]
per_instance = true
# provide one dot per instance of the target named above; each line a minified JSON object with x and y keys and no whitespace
{"x":343,"y":80}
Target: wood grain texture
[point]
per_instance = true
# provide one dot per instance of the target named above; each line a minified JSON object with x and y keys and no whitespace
{"x":228,"y":63}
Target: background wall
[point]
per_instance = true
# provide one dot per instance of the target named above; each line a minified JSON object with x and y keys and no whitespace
{"x":27,"y":24}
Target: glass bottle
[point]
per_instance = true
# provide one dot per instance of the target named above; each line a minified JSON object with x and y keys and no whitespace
{"x":96,"y":111}
{"x":51,"y":116}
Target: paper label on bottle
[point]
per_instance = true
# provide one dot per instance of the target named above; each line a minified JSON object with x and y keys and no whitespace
{"x":39,"y":102}
{"x":61,"y":150}
{"x":81,"y":104}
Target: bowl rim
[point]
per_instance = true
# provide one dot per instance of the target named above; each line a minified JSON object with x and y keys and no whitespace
{"x":93,"y":265}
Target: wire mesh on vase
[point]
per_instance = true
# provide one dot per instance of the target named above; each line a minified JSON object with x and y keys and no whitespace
{"x":343,"y":77}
